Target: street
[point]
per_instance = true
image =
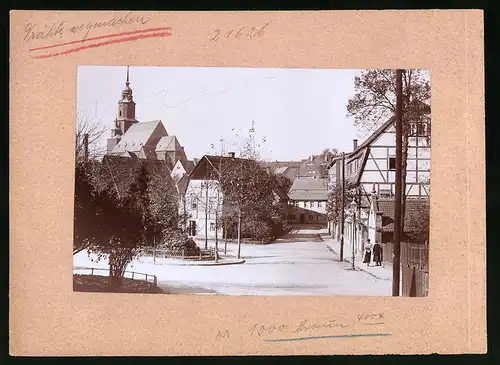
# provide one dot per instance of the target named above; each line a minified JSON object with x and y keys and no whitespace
{"x":292,"y":268}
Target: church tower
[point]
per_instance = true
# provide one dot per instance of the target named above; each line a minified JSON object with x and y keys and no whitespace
{"x":125,"y":117}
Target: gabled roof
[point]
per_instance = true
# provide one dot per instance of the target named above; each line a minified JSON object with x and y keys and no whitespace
{"x":182,"y":184}
{"x":373,"y":137}
{"x":309,"y":189}
{"x":189,"y":166}
{"x":139,"y":135}
{"x":280,"y":170}
{"x":168,"y":143}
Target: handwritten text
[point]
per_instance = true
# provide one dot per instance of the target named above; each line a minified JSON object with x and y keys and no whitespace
{"x":236,"y":33}
{"x":34,"y":31}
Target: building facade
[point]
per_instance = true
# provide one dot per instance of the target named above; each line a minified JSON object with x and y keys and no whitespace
{"x":308,"y":198}
{"x":369,"y":171}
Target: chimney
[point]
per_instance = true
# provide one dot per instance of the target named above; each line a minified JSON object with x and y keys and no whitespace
{"x":231,"y":154}
{"x":354,"y":144}
{"x":195,"y":161}
{"x":86,"y":146}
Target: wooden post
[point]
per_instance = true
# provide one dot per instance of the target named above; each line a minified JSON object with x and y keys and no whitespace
{"x":132,"y":275}
{"x":342,"y":218}
{"x":239,"y":232}
{"x":183,"y":254}
{"x":396,"y":255}
{"x":225,"y":240}
{"x":146,"y":277}
{"x":92,"y":273}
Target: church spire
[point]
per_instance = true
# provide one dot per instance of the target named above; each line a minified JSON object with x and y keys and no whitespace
{"x":127,"y":83}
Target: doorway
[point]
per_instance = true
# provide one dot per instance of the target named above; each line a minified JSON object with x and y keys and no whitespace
{"x":192,"y":228}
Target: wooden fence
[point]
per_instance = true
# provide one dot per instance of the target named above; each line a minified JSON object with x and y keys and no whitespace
{"x":132,"y":274}
{"x":414,"y":267}
{"x":204,"y":254}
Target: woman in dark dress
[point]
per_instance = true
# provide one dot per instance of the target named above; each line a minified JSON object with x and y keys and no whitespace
{"x":377,"y":254}
{"x":368,"y":253}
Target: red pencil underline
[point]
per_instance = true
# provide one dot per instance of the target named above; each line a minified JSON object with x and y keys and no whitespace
{"x":128,"y":39}
{"x":101,"y":37}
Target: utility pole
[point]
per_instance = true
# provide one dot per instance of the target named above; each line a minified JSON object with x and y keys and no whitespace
{"x":342,"y":211}
{"x":396,"y":254}
{"x":86,"y":147}
{"x":206,"y":216}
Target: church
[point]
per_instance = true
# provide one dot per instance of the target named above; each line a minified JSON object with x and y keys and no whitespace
{"x":145,"y":140}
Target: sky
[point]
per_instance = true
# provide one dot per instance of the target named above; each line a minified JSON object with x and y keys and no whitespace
{"x":300,"y":112}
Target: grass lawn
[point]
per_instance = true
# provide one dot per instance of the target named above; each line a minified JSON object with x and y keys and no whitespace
{"x":96,"y":283}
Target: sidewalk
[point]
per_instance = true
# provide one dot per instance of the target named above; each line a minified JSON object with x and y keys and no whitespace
{"x":383,"y":272}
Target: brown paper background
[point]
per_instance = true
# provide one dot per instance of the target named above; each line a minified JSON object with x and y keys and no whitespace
{"x":48,"y":318}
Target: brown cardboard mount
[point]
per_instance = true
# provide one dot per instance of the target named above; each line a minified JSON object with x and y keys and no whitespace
{"x":48,"y":318}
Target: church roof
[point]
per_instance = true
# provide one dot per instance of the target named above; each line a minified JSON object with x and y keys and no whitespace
{"x":168,"y":143}
{"x":139,"y":135}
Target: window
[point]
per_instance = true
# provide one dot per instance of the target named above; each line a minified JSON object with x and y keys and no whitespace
{"x":120,"y":113}
{"x":312,"y":204}
{"x":305,"y":204}
{"x":212,"y":226}
{"x":194,"y":205}
{"x":392,"y":163}
{"x":311,"y":217}
{"x":319,"y":204}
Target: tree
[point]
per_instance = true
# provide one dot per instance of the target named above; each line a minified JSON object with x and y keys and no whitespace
{"x":327,"y":156}
{"x":95,"y":129}
{"x":374,"y":102}
{"x":85,"y":210}
{"x":136,"y":206}
{"x":334,"y":202}
{"x":163,"y":201}
{"x":248,"y":190}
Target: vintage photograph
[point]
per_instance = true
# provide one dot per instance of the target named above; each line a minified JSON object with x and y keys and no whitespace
{"x":252,"y":181}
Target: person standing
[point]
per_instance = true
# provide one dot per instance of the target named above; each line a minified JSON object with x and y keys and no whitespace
{"x":377,"y":254}
{"x":368,"y":253}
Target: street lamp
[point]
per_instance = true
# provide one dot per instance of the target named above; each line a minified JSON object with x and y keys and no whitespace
{"x":353,"y":208}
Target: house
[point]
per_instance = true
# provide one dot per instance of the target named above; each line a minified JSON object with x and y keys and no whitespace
{"x":381,"y":217}
{"x":316,"y":166}
{"x":202,"y":195}
{"x":145,"y":140}
{"x":181,"y":168}
{"x":287,"y":169}
{"x":371,"y":166}
{"x":374,"y":162}
{"x":308,"y":199}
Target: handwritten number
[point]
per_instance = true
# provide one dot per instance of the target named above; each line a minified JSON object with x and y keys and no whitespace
{"x":239,"y":33}
{"x":216,"y":37}
{"x":236,"y":34}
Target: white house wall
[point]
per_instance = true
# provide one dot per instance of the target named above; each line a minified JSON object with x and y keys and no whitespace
{"x":201,"y":206}
{"x":315,"y":208}
{"x":377,"y":170}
